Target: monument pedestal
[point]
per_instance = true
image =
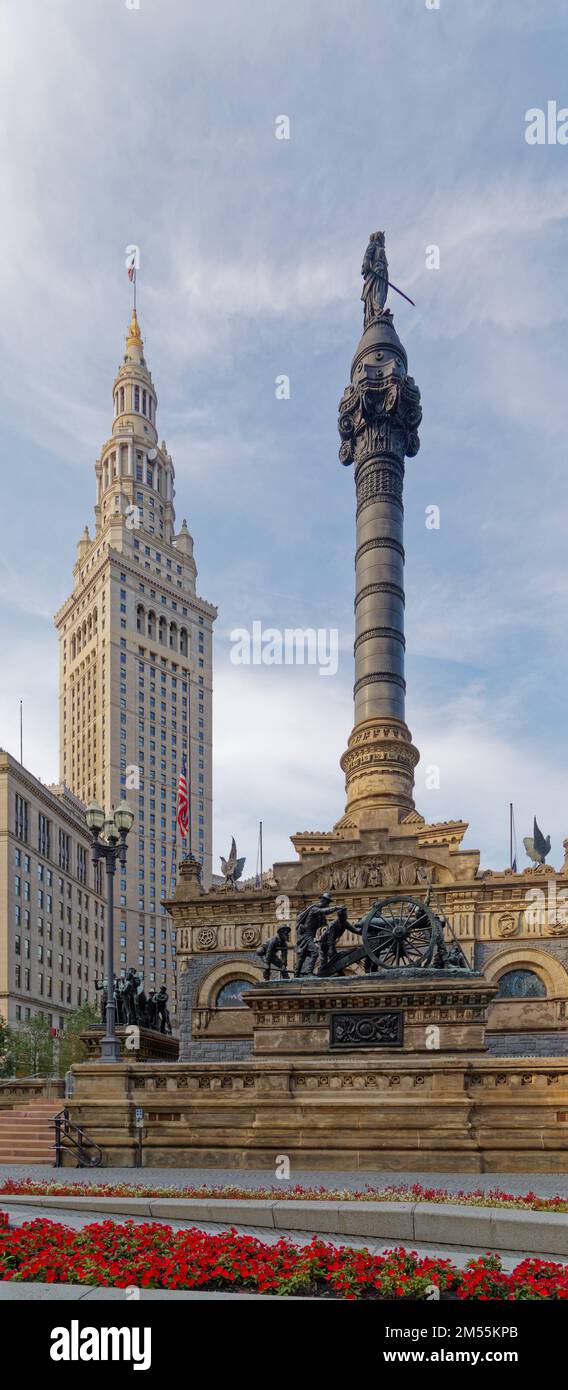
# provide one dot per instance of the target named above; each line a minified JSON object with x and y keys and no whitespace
{"x":393,"y":1011}
{"x":375,"y":1073}
{"x":139,"y":1044}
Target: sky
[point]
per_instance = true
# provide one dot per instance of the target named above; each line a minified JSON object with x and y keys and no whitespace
{"x":155,"y":124}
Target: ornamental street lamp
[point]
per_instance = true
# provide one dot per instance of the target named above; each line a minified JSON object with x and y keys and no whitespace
{"x":114,"y":828}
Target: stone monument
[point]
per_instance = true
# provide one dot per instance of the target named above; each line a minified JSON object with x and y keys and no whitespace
{"x":338,"y":1013}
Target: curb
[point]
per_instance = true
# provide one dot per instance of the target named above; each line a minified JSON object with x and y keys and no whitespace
{"x":424,"y":1223}
{"x":13,"y":1291}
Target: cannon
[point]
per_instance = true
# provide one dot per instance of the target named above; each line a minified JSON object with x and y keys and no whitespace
{"x":397,"y":933}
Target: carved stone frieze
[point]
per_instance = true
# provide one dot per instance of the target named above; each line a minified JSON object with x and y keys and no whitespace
{"x":250,"y":937}
{"x":507,"y":924}
{"x":206,"y":938}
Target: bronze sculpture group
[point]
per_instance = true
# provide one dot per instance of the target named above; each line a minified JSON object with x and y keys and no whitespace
{"x":397,"y":933}
{"x":134,"y":1006}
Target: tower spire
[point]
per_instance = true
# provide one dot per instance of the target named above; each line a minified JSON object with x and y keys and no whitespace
{"x":379,"y":415}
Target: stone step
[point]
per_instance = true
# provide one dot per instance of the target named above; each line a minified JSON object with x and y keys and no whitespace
{"x":28,"y":1112}
{"x":17,"y":1156}
{"x":25,"y":1136}
{"x":19,"y":1141}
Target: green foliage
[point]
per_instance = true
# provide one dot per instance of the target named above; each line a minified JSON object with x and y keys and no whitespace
{"x":30,"y":1049}
{"x":4,"y":1046}
{"x":71,"y":1049}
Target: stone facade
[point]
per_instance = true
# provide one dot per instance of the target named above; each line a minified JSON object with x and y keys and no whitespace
{"x":52,"y":912}
{"x":369,"y":1073}
{"x":505,"y":922}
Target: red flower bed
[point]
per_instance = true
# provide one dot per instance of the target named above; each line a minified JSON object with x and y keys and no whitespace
{"x":403,"y":1192}
{"x":153,"y":1256}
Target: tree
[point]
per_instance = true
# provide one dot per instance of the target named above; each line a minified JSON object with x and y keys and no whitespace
{"x":71,"y":1048}
{"x":5,"y":1048}
{"x":31,"y":1048}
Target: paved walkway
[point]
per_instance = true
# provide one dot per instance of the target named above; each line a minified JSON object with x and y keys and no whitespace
{"x":543,"y":1184}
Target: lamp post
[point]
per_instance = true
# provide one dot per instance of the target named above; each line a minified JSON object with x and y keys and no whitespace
{"x":114,"y":828}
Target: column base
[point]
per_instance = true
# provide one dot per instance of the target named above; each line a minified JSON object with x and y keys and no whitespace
{"x":379,"y":765}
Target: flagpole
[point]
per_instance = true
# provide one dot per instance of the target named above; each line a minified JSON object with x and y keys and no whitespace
{"x":260,"y":843}
{"x":189,"y":849}
{"x":510,"y":834}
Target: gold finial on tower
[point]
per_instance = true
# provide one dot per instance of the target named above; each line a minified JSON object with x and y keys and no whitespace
{"x":134,"y":338}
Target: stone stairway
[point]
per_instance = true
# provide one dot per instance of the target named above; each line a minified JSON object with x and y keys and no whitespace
{"x":26,"y":1132}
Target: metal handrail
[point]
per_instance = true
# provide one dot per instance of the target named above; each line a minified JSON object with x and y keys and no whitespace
{"x":69,"y":1136}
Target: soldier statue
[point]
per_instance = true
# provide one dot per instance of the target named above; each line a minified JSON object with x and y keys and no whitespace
{"x":102,"y":987}
{"x":119,"y":1002}
{"x":375,"y":271}
{"x":329,"y":938}
{"x":274,"y":953}
{"x":130,"y":991}
{"x":151,"y":1010}
{"x":163,"y":1017}
{"x":307,"y":926}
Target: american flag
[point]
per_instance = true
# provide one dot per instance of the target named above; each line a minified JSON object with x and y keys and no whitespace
{"x":183,"y":802}
{"x":132,"y":267}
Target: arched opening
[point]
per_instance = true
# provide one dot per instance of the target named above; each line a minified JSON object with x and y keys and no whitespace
{"x":520,"y":984}
{"x":162,"y":630}
{"x":140,"y":615}
{"x":183,"y":645}
{"x":230,"y":995}
{"x":173,"y":637}
{"x":151,"y":624}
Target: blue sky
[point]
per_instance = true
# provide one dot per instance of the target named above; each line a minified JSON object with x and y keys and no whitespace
{"x":155,"y":126}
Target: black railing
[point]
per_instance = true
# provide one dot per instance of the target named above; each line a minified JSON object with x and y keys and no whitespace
{"x":69,"y":1138}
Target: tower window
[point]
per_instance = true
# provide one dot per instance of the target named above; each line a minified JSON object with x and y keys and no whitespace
{"x":137,"y":398}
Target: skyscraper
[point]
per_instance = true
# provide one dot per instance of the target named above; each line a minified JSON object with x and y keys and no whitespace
{"x":135,"y":668}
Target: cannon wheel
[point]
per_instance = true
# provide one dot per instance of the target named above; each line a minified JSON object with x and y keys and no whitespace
{"x":400,"y":932}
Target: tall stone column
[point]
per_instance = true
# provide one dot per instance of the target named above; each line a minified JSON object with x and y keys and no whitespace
{"x":379,"y":415}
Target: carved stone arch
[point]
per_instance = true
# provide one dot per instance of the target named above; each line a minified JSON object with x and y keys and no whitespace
{"x":548,"y":969}
{"x":233,"y":969}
